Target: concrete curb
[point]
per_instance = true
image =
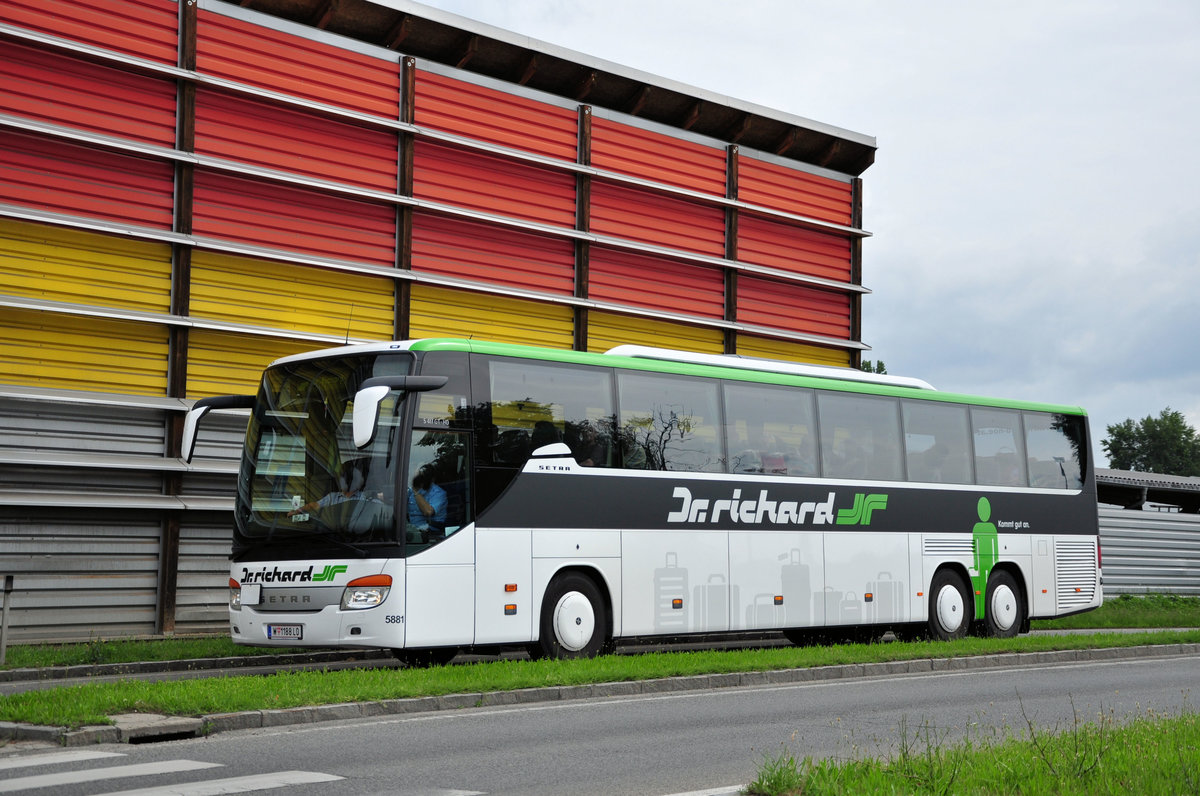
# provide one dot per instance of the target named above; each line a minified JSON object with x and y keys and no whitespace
{"x":140,"y":728}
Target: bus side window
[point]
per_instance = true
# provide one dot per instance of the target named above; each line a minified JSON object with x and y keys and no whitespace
{"x":937,"y":445}
{"x":769,"y":430}
{"x":1053,"y":446}
{"x":860,"y":436}
{"x":669,"y":423}
{"x":448,"y":406}
{"x":536,"y":404}
{"x":999,"y":447}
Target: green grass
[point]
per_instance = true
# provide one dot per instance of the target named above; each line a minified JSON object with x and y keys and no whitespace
{"x":93,"y":703}
{"x":1153,"y":754}
{"x":40,"y":656}
{"x":1127,"y":610}
{"x":78,"y":705}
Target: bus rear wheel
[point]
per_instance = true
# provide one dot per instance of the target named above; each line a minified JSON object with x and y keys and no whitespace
{"x":1004,"y":608}
{"x":574,"y":622}
{"x":951,"y":606}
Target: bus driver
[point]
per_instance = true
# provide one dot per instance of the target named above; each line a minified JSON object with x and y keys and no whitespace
{"x":426,"y":502}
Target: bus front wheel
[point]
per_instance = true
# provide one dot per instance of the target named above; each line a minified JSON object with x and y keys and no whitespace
{"x":951,"y":606}
{"x":574,"y":621}
{"x":1004,"y":608}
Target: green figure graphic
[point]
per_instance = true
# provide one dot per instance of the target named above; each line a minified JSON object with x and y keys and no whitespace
{"x":987,"y":551}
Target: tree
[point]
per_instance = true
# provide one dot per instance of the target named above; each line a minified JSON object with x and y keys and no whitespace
{"x":1164,"y":444}
{"x":874,"y":367}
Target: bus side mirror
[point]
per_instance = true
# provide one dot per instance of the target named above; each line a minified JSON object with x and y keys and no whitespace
{"x":371,"y":394}
{"x":202,"y":408}
{"x":366,"y":413}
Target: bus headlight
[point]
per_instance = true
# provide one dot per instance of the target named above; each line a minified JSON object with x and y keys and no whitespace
{"x":235,"y":595}
{"x":366,"y":592}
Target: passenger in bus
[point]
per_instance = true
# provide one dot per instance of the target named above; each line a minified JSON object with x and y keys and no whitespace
{"x":590,"y":450}
{"x":849,"y":460}
{"x":633,"y":453}
{"x":544,"y":433}
{"x":427,"y":502}
{"x":798,"y":463}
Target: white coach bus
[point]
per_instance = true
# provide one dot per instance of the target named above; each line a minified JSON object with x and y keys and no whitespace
{"x":435,"y":495}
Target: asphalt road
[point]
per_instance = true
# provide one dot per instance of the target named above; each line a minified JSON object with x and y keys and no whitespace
{"x":708,"y":741}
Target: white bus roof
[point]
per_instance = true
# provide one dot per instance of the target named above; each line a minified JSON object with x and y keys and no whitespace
{"x":770,"y":365}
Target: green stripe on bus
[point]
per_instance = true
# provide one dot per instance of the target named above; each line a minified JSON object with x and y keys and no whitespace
{"x":733,"y":374}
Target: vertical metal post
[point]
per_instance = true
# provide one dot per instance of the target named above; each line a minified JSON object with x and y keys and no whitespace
{"x":8,"y":587}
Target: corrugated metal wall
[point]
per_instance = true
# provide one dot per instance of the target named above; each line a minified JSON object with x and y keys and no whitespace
{"x":494,"y":116}
{"x":472,"y":251}
{"x":1150,"y":552}
{"x":143,"y":28}
{"x":650,"y":155}
{"x":190,"y":190}
{"x":85,"y":525}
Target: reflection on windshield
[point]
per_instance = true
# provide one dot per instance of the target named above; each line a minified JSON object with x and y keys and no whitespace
{"x":304,"y":477}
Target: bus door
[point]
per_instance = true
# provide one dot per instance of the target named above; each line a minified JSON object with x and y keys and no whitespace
{"x":439,"y":541}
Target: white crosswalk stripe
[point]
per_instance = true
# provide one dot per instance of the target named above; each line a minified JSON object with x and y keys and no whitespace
{"x":278,"y":779}
{"x":53,"y":758}
{"x":212,"y":787}
{"x":92,"y":774}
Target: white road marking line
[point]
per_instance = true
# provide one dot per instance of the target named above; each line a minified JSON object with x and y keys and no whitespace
{"x":278,"y":779}
{"x":54,"y":758}
{"x":114,"y":772}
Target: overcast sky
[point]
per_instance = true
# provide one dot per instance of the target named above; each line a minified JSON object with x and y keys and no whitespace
{"x":1035,"y":198}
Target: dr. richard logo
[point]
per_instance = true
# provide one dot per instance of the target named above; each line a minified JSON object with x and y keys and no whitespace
{"x":277,"y":575}
{"x":755,"y":511}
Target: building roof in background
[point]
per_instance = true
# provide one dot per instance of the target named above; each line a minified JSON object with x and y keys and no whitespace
{"x":1132,"y":489}
{"x":418,"y":30}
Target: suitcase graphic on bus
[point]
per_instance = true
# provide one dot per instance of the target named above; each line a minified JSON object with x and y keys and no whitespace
{"x":886,"y":594}
{"x":827,"y":605}
{"x":711,"y":603}
{"x":670,"y":597}
{"x":764,"y":612}
{"x":796,"y":588}
{"x":849,"y":610}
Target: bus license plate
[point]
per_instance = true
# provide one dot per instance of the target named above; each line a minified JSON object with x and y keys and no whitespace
{"x":285,"y":631}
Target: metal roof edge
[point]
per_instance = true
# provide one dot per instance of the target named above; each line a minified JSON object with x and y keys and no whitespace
{"x":478,"y":28}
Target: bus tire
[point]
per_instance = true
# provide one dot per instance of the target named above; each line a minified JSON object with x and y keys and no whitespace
{"x":422,"y":658}
{"x":1004,"y":608}
{"x":574,"y":621}
{"x":951,"y":606}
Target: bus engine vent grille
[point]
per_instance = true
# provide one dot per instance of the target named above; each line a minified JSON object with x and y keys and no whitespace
{"x":948,"y":547}
{"x":1075,"y":563}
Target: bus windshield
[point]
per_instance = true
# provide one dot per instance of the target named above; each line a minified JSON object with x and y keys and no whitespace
{"x":303,"y":482}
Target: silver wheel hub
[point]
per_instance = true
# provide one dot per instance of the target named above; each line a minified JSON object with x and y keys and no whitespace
{"x":949,"y":609}
{"x":574,"y":621}
{"x":1003,"y":607}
